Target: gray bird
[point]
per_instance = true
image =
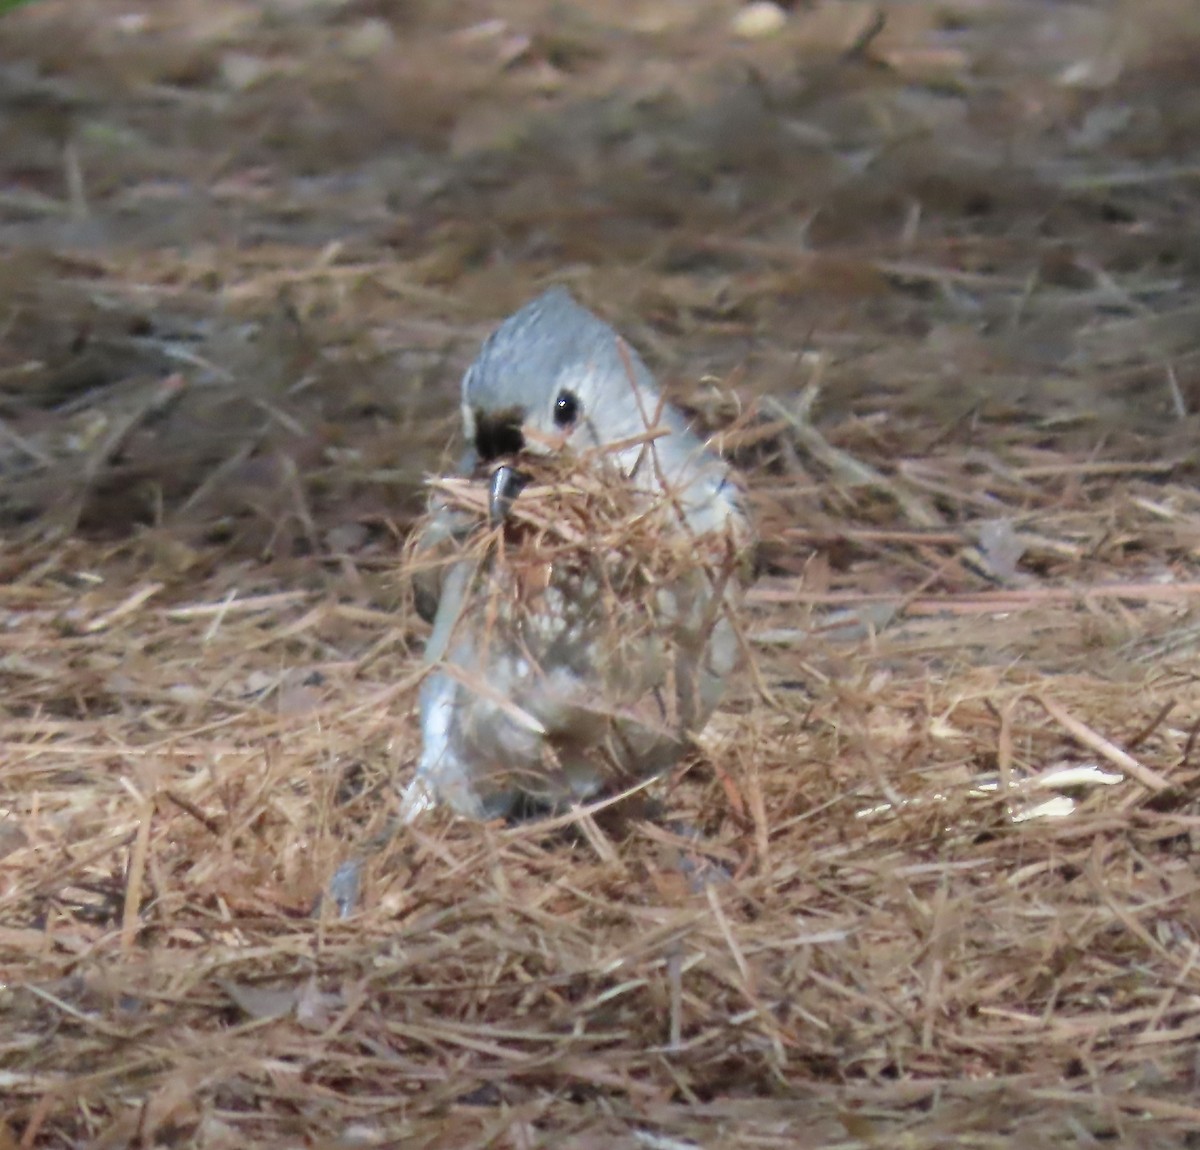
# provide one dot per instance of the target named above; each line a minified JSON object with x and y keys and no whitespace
{"x":580,"y":693}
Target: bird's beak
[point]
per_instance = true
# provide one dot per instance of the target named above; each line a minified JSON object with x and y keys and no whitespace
{"x":505,"y":487}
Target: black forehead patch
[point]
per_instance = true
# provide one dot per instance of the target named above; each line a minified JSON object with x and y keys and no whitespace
{"x":498,"y":434}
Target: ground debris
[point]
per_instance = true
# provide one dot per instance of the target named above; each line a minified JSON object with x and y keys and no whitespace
{"x":924,"y":271}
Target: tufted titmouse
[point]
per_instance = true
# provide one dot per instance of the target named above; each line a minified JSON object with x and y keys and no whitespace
{"x":595,"y":677}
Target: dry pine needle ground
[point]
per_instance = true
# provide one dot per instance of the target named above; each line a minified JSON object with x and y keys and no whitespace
{"x":962,"y":891}
{"x":942,"y":252}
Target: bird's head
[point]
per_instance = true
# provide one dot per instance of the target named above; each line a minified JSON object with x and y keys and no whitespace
{"x":553,"y":378}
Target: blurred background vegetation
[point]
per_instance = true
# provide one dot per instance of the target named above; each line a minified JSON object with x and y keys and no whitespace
{"x":250,"y":246}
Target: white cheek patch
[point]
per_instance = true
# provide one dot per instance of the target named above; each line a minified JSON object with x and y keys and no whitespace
{"x":468,"y":418}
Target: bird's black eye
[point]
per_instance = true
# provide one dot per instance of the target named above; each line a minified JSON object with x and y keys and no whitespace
{"x":566,"y":409}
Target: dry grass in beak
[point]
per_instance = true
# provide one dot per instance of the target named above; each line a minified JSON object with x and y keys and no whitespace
{"x":580,"y":517}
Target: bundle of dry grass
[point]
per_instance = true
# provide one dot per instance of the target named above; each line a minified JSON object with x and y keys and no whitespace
{"x":608,"y":615}
{"x":581,"y":513}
